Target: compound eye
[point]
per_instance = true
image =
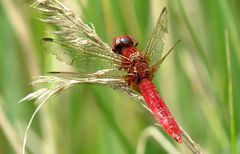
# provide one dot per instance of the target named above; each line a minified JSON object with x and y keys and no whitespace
{"x":121,"y":42}
{"x":125,"y":40}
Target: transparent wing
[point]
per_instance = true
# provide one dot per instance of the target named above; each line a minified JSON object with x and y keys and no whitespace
{"x":60,"y":81}
{"x":85,"y":59}
{"x":101,"y":77}
{"x":63,"y":80}
{"x":155,"y":44}
{"x":80,"y":38}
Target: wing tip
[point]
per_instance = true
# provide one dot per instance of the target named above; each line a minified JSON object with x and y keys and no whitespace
{"x":164,"y":9}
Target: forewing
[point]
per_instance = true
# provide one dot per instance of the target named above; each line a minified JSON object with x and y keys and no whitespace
{"x":79,"y":43}
{"x":155,"y":44}
{"x":86,"y":59}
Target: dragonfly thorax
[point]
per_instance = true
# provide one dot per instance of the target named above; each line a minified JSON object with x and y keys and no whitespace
{"x":134,"y":62}
{"x":136,"y":65}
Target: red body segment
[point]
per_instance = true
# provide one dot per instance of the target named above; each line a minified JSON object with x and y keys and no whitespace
{"x":159,"y":109}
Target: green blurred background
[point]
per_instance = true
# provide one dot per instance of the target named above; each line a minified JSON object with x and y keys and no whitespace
{"x":198,"y":81}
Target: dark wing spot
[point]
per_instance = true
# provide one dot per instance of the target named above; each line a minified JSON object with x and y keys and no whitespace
{"x":48,"y":39}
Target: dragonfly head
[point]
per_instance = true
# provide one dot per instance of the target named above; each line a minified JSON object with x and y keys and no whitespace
{"x":124,"y":41}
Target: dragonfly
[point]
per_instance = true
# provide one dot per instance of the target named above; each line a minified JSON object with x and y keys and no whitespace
{"x":122,"y":66}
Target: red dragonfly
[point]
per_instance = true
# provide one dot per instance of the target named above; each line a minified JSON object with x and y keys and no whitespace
{"x":122,"y":66}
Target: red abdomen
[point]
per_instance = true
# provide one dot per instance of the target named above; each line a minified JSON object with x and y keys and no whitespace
{"x":159,"y":109}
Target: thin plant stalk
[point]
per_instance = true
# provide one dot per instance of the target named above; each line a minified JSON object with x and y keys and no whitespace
{"x":230,"y":94}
